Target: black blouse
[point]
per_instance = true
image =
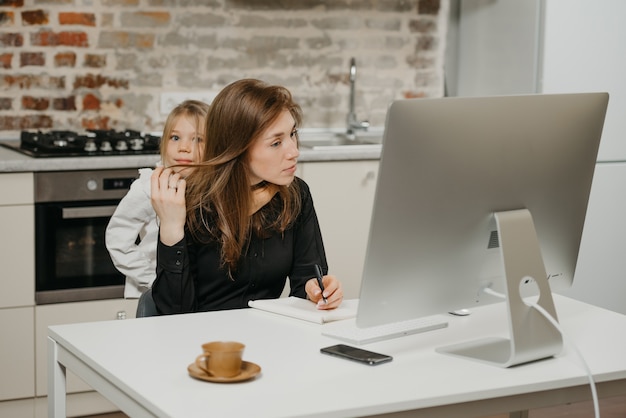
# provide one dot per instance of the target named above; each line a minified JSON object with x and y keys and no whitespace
{"x":189,"y":277}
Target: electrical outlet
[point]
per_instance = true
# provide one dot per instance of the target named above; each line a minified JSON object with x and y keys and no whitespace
{"x":171,"y":100}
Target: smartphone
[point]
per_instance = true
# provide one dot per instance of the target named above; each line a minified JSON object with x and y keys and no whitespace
{"x":356,"y":354}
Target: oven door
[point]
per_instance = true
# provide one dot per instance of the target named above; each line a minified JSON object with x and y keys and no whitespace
{"x":71,"y":259}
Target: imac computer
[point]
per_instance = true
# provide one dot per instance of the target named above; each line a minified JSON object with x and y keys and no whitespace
{"x":476,"y":196}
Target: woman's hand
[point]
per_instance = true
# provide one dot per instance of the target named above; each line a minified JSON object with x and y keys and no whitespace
{"x":168,"y":200}
{"x":332,"y":292}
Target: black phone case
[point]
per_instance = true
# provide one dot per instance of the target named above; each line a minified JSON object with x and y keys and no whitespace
{"x":356,"y":354}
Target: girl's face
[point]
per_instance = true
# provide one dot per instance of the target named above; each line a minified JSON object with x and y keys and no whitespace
{"x":184,"y":146}
{"x":274,"y":153}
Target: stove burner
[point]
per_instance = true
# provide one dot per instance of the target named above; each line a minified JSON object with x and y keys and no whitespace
{"x":94,"y":142}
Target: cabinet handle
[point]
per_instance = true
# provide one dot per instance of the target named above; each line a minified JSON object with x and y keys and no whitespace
{"x":121,"y":315}
{"x":370,"y":175}
{"x":89,"y":212}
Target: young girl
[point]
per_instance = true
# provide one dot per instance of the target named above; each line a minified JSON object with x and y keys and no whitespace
{"x":132,"y":233}
{"x":213,"y":251}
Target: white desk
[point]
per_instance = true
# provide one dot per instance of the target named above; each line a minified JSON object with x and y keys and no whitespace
{"x":141,"y":366}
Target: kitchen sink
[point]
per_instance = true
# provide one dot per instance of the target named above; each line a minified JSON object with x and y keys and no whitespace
{"x":333,"y":140}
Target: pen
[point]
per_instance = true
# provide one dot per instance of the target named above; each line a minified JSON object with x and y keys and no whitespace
{"x":318,"y":273}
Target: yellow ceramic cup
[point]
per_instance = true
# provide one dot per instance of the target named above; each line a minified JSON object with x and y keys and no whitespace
{"x":221,"y":358}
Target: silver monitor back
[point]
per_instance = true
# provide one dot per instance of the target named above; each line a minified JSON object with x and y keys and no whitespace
{"x":447,"y":165}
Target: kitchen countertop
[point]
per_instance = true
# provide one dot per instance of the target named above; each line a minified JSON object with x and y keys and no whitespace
{"x":13,"y":161}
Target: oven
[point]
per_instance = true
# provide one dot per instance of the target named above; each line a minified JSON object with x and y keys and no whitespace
{"x":72,"y":211}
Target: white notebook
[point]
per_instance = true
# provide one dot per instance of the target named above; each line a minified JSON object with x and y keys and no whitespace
{"x":306,"y":310}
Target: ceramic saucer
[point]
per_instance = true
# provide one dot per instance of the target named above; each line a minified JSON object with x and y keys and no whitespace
{"x":248,"y":371}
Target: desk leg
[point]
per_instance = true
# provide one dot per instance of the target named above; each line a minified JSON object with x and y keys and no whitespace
{"x":56,"y":382}
{"x":518,"y":414}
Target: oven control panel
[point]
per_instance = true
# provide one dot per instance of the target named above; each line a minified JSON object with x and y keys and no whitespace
{"x":61,"y":186}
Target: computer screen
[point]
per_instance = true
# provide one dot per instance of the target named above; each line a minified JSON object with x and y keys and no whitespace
{"x":447,"y":167}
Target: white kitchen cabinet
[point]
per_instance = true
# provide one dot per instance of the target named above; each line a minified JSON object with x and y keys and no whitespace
{"x":17,"y":189}
{"x":66,"y":313}
{"x":17,"y":285}
{"x":19,"y":408}
{"x":18,"y":353}
{"x":17,"y":248}
{"x":343,"y":194}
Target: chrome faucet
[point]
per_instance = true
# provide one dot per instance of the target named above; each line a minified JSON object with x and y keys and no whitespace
{"x":352,"y":122}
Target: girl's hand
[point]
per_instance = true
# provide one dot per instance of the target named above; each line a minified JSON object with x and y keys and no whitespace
{"x":168,"y":200}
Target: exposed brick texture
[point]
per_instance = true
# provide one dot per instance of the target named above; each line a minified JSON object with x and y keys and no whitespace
{"x":144,"y":19}
{"x":70,"y":18}
{"x":25,"y":82}
{"x":5,"y":60}
{"x":14,"y":3}
{"x":35,"y":17}
{"x":91,"y":102}
{"x":95,"y":60}
{"x":65,"y":59}
{"x":26,"y":122}
{"x":123,"y":39}
{"x":6,"y":103}
{"x":96,"y":81}
{"x":11,"y":39}
{"x":7,"y":18}
{"x":64,"y":103}
{"x":97,"y":122}
{"x":103,"y":65}
{"x":49,"y":38}
{"x":32,"y":58}
{"x":35,"y":103}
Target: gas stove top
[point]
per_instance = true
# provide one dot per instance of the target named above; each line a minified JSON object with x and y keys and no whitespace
{"x":92,"y":143}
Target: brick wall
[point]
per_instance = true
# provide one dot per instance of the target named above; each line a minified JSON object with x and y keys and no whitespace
{"x":103,"y":64}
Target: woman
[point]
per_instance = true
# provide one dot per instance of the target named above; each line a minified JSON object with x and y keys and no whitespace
{"x":215,"y":250}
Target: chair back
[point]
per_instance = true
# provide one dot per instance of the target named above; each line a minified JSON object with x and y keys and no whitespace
{"x":146,"y":306}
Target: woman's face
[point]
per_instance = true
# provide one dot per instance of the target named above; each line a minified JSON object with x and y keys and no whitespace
{"x":184,"y":146}
{"x":274,"y":153}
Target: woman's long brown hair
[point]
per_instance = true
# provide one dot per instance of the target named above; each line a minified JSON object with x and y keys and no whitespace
{"x":220,"y":186}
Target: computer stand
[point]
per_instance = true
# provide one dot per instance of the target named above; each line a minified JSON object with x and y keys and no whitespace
{"x":533,"y":337}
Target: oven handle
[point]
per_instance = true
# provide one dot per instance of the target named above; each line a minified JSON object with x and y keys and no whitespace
{"x":89,"y":212}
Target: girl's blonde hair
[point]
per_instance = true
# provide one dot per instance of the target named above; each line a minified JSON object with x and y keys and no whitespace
{"x":194,"y":110}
